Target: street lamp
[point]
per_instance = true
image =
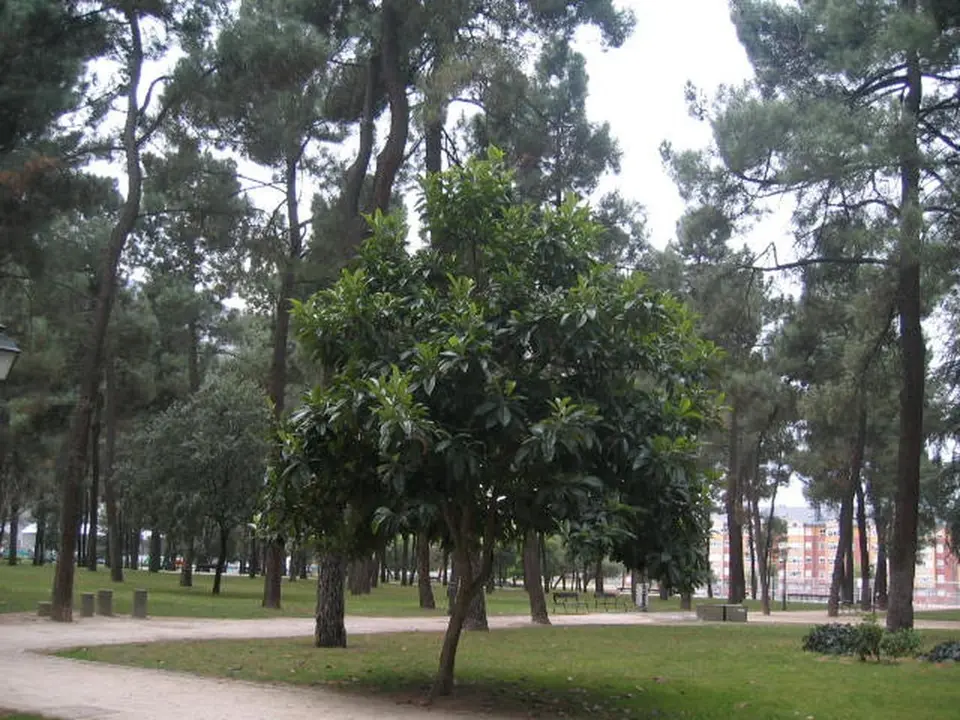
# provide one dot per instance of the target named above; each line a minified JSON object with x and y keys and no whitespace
{"x":8,"y":353}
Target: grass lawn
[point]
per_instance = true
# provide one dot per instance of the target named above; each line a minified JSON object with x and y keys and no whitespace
{"x":10,"y":715}
{"x":953,"y":614}
{"x":21,"y":587}
{"x":600,"y":673}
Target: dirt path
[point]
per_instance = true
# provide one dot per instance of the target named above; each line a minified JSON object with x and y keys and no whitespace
{"x":74,"y":690}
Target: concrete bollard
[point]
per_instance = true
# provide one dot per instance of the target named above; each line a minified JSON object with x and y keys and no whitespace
{"x":105,"y":603}
{"x":44,"y":608}
{"x":86,"y":605}
{"x":140,"y":603}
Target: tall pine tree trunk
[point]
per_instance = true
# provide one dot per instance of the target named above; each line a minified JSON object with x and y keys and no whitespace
{"x":78,"y":436}
{"x":752,"y":535}
{"x":221,"y":557}
{"x":329,"y":629}
{"x":14,"y":545}
{"x":865,"y":599}
{"x":845,"y":540}
{"x":38,"y":540}
{"x":531,"y":578}
{"x":880,"y":580}
{"x":109,"y":483}
{"x":94,"y":511}
{"x":273,"y":575}
{"x":423,"y":572}
{"x":189,"y":557}
{"x":733,"y":501}
{"x":903,"y":552}
{"x":156,"y":548}
{"x":405,"y":560}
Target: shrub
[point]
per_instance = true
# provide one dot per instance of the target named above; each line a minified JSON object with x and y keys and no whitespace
{"x":902,"y":643}
{"x":944,"y":652}
{"x":868,"y":637}
{"x":831,"y":639}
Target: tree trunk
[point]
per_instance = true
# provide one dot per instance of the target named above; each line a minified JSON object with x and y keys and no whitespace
{"x":849,"y":578}
{"x":423,"y":573}
{"x":598,"y":577}
{"x":81,"y":535}
{"x":865,"y":599}
{"x":94,"y":511}
{"x":273,"y":574}
{"x":221,"y":558}
{"x":304,"y":561}
{"x":845,"y":540}
{"x":471,"y":585}
{"x":686,"y":601}
{"x":109,"y":459}
{"x":155,"y":550}
{"x":733,"y":501}
{"x":253,"y":564}
{"x":79,"y":433}
{"x":664,"y":592}
{"x":38,"y":541}
{"x":355,"y":575}
{"x":531,"y":578}
{"x":880,"y":581}
{"x":477,"y":612}
{"x":544,"y":569}
{"x":329,"y":630}
{"x":903,"y":552}
{"x":186,"y":570}
{"x":446,"y":562}
{"x":14,"y":533}
{"x":752,"y":535}
{"x":391,"y":68}
{"x":405,"y":560}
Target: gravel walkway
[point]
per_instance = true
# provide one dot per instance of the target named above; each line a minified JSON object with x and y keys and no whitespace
{"x":75,"y":690}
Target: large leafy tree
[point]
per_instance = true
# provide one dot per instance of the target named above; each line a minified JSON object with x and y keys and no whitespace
{"x":852,"y":110}
{"x":502,"y":359}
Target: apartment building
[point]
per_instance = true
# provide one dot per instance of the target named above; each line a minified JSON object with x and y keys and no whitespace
{"x":810,"y":549}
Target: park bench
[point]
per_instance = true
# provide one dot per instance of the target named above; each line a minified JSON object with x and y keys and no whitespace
{"x":722,"y":613}
{"x":611,"y":601}
{"x":205,"y":568}
{"x":568,"y":601}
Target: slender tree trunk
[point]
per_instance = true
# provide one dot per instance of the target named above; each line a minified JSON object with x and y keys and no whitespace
{"x":471,"y":585}
{"x":752,"y":535}
{"x":405,"y":560}
{"x":253,"y":564}
{"x":903,"y":552}
{"x":845,"y":541}
{"x":880,"y":581}
{"x":94,"y":511}
{"x":865,"y":599}
{"x":733,"y":501}
{"x":598,"y":577}
{"x":109,"y":483}
{"x":221,"y":558}
{"x":686,"y":601}
{"x":155,"y":550}
{"x":273,"y":574}
{"x":423,"y":573}
{"x":189,"y":557}
{"x":329,"y":629}
{"x":765,"y":551}
{"x":81,"y":535}
{"x":304,"y":561}
{"x":849,"y":573}
{"x":38,"y":539}
{"x":14,"y":546}
{"x":446,"y":563}
{"x":544,"y":568}
{"x":531,"y":578}
{"x":78,"y":436}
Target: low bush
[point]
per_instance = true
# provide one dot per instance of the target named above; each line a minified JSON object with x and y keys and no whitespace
{"x":831,"y":639}
{"x":869,"y":635}
{"x":902,"y":643}
{"x":944,"y":652}
{"x":867,"y":640}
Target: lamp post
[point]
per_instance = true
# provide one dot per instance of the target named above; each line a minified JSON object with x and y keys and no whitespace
{"x":9,"y":352}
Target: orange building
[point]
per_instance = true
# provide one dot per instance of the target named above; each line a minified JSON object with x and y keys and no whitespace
{"x":811,"y":546}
